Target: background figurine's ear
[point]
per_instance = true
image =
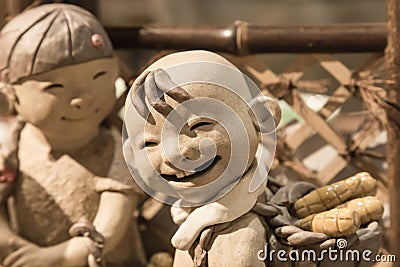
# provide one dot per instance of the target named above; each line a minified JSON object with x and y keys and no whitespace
{"x":7,"y":100}
{"x":267,"y":113}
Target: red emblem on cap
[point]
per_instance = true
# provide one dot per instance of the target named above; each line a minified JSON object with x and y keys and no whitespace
{"x":97,"y":41}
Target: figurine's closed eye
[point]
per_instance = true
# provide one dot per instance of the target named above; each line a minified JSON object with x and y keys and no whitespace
{"x":53,"y":86}
{"x":199,"y":125}
{"x":98,"y":75}
{"x":148,"y":144}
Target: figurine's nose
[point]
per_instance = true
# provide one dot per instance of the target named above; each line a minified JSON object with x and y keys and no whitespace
{"x":83,"y":101}
{"x":190,"y":153}
{"x":178,"y":157}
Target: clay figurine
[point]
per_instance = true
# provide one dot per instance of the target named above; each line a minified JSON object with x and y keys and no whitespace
{"x":187,"y":118}
{"x":178,"y":143}
{"x":74,"y":196}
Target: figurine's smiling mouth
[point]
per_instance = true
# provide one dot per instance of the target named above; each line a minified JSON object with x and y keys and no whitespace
{"x":64,"y":118}
{"x":187,"y":178}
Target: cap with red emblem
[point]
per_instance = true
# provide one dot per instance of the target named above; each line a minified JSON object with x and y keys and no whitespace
{"x":49,"y":37}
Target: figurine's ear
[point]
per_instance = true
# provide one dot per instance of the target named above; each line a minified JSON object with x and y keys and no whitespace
{"x":8,"y":99}
{"x":128,"y":153}
{"x":266,"y":113}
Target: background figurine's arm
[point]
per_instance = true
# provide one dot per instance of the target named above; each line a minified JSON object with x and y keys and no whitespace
{"x":114,"y":217}
{"x":8,"y":238}
{"x":20,"y":252}
{"x":112,"y":221}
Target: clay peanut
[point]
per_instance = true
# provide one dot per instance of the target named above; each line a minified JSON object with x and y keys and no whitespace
{"x":330,"y":196}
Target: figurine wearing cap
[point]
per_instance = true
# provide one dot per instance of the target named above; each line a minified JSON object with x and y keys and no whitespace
{"x":60,"y":65}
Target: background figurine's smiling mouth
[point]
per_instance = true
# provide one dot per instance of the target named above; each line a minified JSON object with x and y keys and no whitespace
{"x":202,"y":170}
{"x":64,"y":118}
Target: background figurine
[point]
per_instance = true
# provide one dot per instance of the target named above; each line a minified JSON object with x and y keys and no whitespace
{"x":207,"y":223}
{"x":74,"y":196}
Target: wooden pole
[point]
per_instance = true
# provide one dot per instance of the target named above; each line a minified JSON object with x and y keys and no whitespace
{"x":3,"y":7}
{"x":392,"y":108}
{"x":90,"y":5}
{"x":14,"y":7}
{"x":242,"y":38}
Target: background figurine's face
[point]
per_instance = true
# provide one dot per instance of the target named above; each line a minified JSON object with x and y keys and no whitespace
{"x":191,"y":135}
{"x":71,"y":101}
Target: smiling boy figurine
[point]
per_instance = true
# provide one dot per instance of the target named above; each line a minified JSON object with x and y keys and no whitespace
{"x":193,"y":124}
{"x":60,"y":64}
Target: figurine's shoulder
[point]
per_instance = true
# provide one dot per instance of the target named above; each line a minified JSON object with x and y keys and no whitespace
{"x":32,"y":144}
{"x":35,"y":153}
{"x":118,"y":177}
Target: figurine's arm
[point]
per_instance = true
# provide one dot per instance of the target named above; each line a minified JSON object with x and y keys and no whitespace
{"x":114,"y":217}
{"x":217,"y":212}
{"x":20,"y":252}
{"x":112,"y":221}
{"x":9,"y":240}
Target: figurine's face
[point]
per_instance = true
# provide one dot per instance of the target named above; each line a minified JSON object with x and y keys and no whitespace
{"x":71,"y":101}
{"x":190,"y":136}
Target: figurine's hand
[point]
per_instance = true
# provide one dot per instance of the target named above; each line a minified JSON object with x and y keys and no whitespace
{"x":180,"y":214}
{"x":15,"y":243}
{"x":289,"y":194}
{"x":298,"y":237}
{"x":278,"y":210}
{"x":34,"y":256}
{"x":156,"y":83}
{"x":367,"y":238}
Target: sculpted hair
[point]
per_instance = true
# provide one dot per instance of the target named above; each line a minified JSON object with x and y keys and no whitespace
{"x":49,"y":37}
